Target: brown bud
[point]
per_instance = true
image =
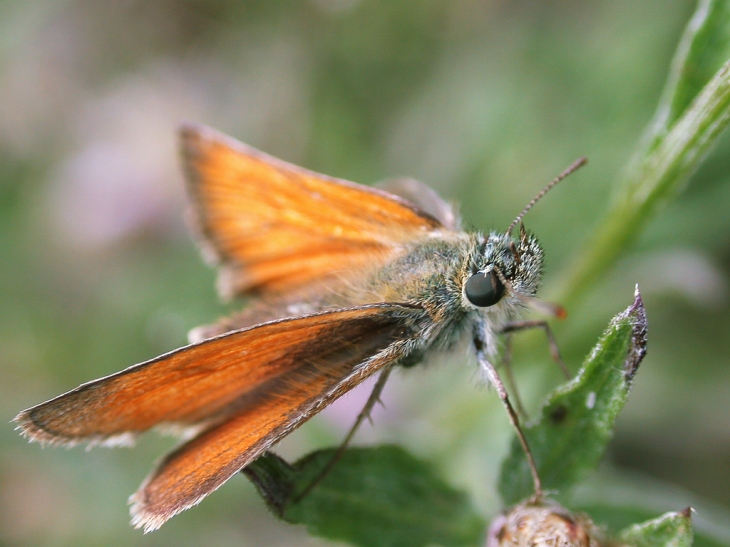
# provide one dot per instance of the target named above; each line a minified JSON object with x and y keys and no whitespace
{"x":542,"y":525}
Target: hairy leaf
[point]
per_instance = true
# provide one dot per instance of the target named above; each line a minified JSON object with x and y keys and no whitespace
{"x":577,"y":420}
{"x":669,"y":530}
{"x":372,"y":497}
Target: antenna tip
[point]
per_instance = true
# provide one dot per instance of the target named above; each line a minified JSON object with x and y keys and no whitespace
{"x":580,"y":162}
{"x":560,"y":312}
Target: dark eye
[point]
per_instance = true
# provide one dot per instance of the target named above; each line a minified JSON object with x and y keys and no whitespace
{"x":484,"y":289}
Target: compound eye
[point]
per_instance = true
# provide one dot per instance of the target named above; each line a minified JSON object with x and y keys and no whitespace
{"x":484,"y":289}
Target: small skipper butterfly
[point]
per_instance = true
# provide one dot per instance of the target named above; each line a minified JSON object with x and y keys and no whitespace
{"x":346,"y":281}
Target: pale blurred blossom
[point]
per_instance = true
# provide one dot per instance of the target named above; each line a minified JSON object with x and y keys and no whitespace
{"x":690,"y":273}
{"x":124,"y":176}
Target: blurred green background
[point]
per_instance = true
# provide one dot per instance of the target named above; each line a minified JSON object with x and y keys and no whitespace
{"x":484,"y":100}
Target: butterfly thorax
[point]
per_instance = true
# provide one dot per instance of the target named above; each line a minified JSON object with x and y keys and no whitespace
{"x":430,"y":273}
{"x":433,"y":274}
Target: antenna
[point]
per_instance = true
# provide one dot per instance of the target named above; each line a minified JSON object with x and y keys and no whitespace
{"x":580,"y":162}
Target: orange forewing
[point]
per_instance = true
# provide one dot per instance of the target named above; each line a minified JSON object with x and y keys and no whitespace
{"x":273,"y":226}
{"x":206,"y":382}
{"x":356,"y":344}
{"x":245,"y":390}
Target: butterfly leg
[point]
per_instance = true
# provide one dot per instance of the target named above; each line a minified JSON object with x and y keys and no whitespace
{"x":510,"y":377}
{"x":554,"y":350}
{"x":364,"y":414}
{"x":496,"y":381}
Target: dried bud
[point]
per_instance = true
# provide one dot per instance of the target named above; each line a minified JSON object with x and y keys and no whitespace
{"x":542,"y":525}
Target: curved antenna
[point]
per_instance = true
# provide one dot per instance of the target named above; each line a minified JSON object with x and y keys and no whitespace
{"x":580,"y":162}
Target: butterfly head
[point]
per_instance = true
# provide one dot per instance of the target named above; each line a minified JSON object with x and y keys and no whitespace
{"x":510,"y":266}
{"x":504,"y":266}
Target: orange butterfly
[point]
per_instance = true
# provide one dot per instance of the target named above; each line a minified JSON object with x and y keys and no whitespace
{"x":348,"y":281}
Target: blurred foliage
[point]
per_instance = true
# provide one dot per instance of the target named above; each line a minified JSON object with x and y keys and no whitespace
{"x":484,"y":100}
{"x":691,"y":115}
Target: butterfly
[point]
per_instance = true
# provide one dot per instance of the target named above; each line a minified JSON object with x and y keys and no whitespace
{"x":345,"y":282}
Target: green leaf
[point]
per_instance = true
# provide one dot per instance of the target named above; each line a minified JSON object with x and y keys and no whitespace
{"x":703,"y":49}
{"x":577,"y":420}
{"x":372,"y":497}
{"x":619,"y":498}
{"x":669,"y":530}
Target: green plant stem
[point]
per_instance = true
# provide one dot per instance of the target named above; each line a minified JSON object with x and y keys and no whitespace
{"x":656,"y":179}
